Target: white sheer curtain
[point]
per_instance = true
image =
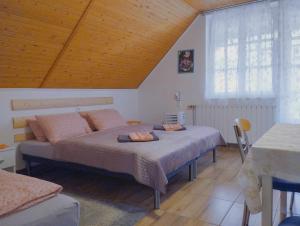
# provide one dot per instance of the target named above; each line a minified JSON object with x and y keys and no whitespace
{"x":240,"y":44}
{"x":289,"y":86}
{"x":253,"y":51}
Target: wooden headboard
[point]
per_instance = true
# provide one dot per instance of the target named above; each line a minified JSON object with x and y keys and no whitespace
{"x":34,"y":104}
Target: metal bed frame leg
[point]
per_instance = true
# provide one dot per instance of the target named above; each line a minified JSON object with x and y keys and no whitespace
{"x":214,"y":155}
{"x":195,"y":169}
{"x":28,"y":167}
{"x":156,"y":199}
{"x":191,"y":171}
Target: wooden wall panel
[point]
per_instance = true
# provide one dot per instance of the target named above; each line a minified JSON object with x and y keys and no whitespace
{"x":29,"y":104}
{"x":23,"y":137}
{"x":203,"y":5}
{"x":32,"y":32}
{"x":21,"y":122}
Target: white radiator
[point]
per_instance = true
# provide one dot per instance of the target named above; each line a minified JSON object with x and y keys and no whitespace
{"x":262,"y":118}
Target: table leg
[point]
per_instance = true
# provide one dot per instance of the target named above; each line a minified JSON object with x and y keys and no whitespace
{"x":283,"y":205}
{"x":267,"y":201}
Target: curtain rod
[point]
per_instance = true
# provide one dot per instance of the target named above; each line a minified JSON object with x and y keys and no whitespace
{"x":230,"y":6}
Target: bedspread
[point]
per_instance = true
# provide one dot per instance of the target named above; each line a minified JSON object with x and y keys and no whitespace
{"x":18,"y":192}
{"x":148,"y":162}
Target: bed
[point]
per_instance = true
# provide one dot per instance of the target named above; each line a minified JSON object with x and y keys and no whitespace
{"x":28,"y":201}
{"x":60,"y":210}
{"x":150,"y":163}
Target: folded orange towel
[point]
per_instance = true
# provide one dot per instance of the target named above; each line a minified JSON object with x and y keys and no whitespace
{"x":141,"y":136}
{"x":172,"y":127}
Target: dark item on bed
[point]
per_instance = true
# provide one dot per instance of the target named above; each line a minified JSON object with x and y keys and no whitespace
{"x":126,"y":138}
{"x":161,"y":127}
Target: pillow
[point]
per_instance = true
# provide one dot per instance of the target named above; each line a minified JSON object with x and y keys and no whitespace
{"x":84,"y":115}
{"x":37,"y":130}
{"x":106,"y":118}
{"x":63,"y":126}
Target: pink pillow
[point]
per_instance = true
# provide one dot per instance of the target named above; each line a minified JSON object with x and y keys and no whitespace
{"x":37,"y":130}
{"x":106,"y":118}
{"x":63,"y":126}
{"x":86,"y":117}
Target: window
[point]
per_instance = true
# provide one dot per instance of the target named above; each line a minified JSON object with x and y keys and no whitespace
{"x":253,"y":51}
{"x":239,"y":52}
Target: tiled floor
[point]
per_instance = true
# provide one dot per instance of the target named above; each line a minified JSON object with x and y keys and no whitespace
{"x":214,"y":198}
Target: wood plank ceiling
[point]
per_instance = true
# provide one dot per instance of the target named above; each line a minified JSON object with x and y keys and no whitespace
{"x":204,"y":5}
{"x":89,"y":43}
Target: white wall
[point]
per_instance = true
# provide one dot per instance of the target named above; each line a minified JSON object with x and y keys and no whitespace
{"x":156,"y":93}
{"x":125,"y":100}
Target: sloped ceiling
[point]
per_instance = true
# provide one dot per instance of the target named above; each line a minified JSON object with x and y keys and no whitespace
{"x":89,"y":43}
{"x":204,"y":5}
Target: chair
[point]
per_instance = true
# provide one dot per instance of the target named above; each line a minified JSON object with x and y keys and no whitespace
{"x":241,"y":128}
{"x":291,"y":221}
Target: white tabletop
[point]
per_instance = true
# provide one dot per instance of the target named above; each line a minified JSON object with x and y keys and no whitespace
{"x":275,"y":154}
{"x":284,"y":137}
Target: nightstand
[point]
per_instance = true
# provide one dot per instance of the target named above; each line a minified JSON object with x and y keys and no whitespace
{"x":8,"y":159}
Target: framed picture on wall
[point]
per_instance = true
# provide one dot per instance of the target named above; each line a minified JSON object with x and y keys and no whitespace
{"x":186,"y":61}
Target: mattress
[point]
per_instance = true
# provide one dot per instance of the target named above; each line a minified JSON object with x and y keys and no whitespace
{"x":37,"y":148}
{"x":60,"y":210}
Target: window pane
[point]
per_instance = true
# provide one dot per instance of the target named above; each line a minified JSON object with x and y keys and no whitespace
{"x":232,"y":81}
{"x":232,"y":56}
{"x":265,"y":82}
{"x":220,"y":58}
{"x":219,"y":83}
{"x":251,"y":80}
{"x":240,"y":43}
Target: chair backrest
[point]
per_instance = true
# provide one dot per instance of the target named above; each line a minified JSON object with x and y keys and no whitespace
{"x":241,"y":128}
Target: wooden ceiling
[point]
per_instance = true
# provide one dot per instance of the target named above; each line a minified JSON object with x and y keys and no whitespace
{"x":89,"y":43}
{"x":204,"y":5}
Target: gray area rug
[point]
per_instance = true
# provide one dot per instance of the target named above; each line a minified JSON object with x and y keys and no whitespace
{"x":103,"y":213}
{"x":102,"y":199}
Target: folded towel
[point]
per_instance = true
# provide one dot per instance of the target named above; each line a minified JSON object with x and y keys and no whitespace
{"x":138,"y":137}
{"x":169,"y":127}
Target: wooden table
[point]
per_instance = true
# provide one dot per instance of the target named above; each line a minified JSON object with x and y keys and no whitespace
{"x":275,"y":154}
